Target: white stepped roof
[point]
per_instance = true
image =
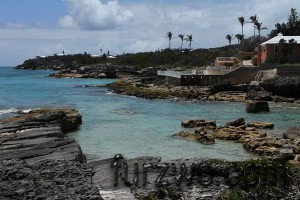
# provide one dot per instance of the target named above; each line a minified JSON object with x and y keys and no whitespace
{"x":275,"y":40}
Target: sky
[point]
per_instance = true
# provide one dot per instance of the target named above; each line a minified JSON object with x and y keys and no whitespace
{"x":45,"y":27}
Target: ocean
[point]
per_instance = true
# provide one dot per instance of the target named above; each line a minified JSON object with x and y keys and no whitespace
{"x":132,"y":126}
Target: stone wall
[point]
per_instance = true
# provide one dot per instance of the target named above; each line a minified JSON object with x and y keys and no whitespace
{"x":239,"y":76}
{"x":202,"y":80}
{"x":242,"y":75}
{"x":169,"y":80}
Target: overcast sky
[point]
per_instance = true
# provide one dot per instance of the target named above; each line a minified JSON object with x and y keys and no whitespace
{"x":44,"y":27}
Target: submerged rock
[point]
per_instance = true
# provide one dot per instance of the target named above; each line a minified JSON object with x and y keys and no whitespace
{"x":199,"y":135}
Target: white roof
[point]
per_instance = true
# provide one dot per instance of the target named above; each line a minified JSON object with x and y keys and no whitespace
{"x":275,"y":40}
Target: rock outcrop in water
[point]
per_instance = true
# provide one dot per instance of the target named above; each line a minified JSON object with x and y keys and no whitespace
{"x":37,"y":161}
{"x":257,"y":106}
{"x":39,"y":135}
{"x":283,"y":86}
{"x":253,"y":140}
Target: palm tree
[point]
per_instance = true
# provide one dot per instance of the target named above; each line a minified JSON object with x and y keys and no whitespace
{"x":242,"y":22}
{"x":189,"y":39}
{"x":258,"y":26}
{"x":253,"y":20}
{"x":181,"y":36}
{"x":169,"y":36}
{"x":229,"y":38}
{"x":240,"y":38}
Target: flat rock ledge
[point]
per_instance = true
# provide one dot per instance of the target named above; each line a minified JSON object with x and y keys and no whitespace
{"x":39,"y":135}
{"x":37,"y":161}
{"x":250,"y":135}
{"x":154,"y":88}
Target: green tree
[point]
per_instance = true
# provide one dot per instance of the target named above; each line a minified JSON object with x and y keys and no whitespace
{"x":169,"y":36}
{"x":286,"y":48}
{"x":240,"y":38}
{"x":253,"y":20}
{"x":291,"y":27}
{"x":189,"y":39}
{"x":229,"y":38}
{"x":181,"y":36}
{"x":258,"y":26}
{"x":242,"y":22}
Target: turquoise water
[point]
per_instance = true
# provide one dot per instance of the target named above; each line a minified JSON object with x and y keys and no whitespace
{"x":132,"y":126}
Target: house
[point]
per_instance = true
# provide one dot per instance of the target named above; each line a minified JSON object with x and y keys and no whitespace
{"x":272,"y":47}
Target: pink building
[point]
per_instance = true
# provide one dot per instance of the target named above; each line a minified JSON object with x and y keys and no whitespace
{"x":271,"y":47}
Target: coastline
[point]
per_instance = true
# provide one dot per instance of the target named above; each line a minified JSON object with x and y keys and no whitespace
{"x":157,"y":171}
{"x":39,"y":135}
{"x":150,"y":89}
{"x":51,"y":168}
{"x":37,"y":160}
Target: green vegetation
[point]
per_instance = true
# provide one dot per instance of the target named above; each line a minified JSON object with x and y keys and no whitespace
{"x":55,"y":61}
{"x":83,"y":191}
{"x":261,"y":179}
{"x":167,"y":193}
{"x":46,"y":177}
{"x":171,"y":58}
{"x":161,"y":58}
{"x":253,"y":179}
{"x":291,"y":27}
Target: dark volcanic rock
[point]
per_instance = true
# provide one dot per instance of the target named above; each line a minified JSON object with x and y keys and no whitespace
{"x":283,"y":86}
{"x":48,"y":179}
{"x":257,"y":106}
{"x":259,"y":95}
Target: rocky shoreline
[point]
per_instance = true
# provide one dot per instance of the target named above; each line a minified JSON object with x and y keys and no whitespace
{"x":39,"y":135}
{"x":203,"y":179}
{"x":251,"y":135}
{"x":37,"y":160}
{"x":151,"y":88}
{"x":94,"y":71}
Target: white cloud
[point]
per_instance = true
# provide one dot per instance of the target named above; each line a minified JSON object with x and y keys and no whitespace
{"x":135,"y":26}
{"x":94,"y":15}
{"x":15,"y":25}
